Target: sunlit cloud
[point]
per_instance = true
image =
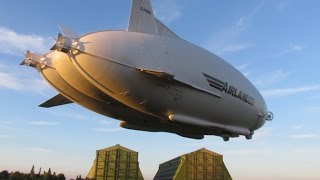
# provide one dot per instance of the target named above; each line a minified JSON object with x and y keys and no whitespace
{"x":289,"y":91}
{"x":167,"y":10}
{"x":43,"y":123}
{"x":303,"y":136}
{"x":14,"y":43}
{"x":39,"y":150}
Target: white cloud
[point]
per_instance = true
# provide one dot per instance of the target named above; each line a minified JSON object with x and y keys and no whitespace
{"x":303,"y":136}
{"x":291,"y":49}
{"x":297,"y":127}
{"x":233,"y":47}
{"x":108,"y":129}
{"x":39,"y":150}
{"x":289,"y":91}
{"x":43,"y":123}
{"x":227,"y":41}
{"x":4,"y":136}
{"x":271,"y":77}
{"x":263,"y":132}
{"x":243,"y":69}
{"x":14,"y":43}
{"x":20,"y":82}
{"x":167,"y":10}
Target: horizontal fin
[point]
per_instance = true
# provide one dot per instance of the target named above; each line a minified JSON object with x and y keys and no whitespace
{"x":164,"y":30}
{"x":56,"y":101}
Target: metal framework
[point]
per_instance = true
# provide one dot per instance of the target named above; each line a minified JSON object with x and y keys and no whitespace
{"x":199,"y":165}
{"x":115,"y":163}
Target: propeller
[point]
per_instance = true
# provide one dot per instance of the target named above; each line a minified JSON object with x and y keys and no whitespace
{"x":34,"y":60}
{"x":67,"y":42}
{"x":63,"y":44}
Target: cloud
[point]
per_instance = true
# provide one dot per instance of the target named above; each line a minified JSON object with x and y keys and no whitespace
{"x":289,"y":91}
{"x":303,"y":136}
{"x":245,"y":152}
{"x":19,"y":82}
{"x":43,"y":123}
{"x":227,"y":41}
{"x":4,"y":136}
{"x":108,"y":129}
{"x":233,"y":47}
{"x":243,"y":69}
{"x":39,"y":150}
{"x":14,"y":43}
{"x":105,"y":123}
{"x":69,"y":113}
{"x":271,"y":77}
{"x":167,"y":10}
{"x":264,"y":132}
{"x":297,"y":127}
{"x":291,"y":49}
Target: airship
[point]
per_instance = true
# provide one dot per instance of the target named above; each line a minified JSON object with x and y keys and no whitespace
{"x":150,"y":79}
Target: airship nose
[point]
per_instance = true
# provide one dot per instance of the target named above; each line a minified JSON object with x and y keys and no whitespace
{"x":263,"y":114}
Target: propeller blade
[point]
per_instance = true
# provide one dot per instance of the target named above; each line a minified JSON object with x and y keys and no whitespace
{"x":67,"y":32}
{"x":54,"y":47}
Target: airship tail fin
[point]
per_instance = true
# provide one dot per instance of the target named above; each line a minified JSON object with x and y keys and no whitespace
{"x":142,"y":18}
{"x":56,"y":101}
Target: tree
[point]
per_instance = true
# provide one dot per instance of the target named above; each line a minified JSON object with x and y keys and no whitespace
{"x":32,"y":172}
{"x":15,"y":176}
{"x":61,"y":177}
{"x":4,"y":174}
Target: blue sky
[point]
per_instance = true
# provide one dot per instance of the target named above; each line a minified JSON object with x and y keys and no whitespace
{"x":275,"y":43}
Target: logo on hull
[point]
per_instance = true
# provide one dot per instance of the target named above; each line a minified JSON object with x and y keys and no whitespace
{"x":229,"y":89}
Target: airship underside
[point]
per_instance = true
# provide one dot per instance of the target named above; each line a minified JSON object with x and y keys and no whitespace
{"x":151,"y":80}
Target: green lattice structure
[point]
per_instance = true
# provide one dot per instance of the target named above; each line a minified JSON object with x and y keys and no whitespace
{"x":198,"y":165}
{"x":115,"y":163}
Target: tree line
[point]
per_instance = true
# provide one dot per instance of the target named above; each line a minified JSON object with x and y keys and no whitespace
{"x":6,"y":175}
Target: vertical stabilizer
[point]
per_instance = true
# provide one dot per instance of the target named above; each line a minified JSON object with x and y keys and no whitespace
{"x":142,"y":18}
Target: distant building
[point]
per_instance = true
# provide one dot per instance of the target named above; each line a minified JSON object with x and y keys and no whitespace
{"x":198,"y":165}
{"x":115,"y":163}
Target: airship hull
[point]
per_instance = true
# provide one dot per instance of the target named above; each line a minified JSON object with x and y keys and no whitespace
{"x":119,"y":73}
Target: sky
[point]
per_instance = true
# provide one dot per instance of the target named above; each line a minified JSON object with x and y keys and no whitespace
{"x":274,"y":43}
